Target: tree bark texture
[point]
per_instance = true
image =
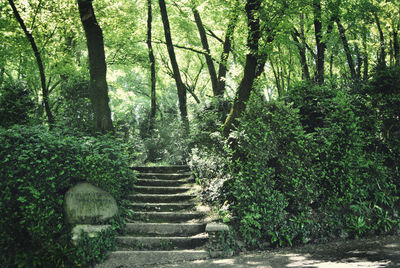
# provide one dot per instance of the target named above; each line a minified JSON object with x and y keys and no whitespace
{"x":346,"y":47}
{"x":302,"y":56}
{"x":29,"y":36}
{"x":396,"y":43}
{"x":153,"y":107}
{"x":382,"y":54}
{"x":97,"y":67}
{"x":359,"y":61}
{"x":2,"y":72}
{"x":365,"y":59}
{"x":250,"y":69}
{"x":319,"y":77}
{"x":204,"y":43}
{"x":177,"y":75}
{"x":223,"y":64}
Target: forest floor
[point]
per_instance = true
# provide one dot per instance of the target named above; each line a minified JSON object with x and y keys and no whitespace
{"x":369,"y":252}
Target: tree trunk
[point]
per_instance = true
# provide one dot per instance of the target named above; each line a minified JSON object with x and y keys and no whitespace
{"x":382,"y":55}
{"x":204,"y":43}
{"x":153,"y":108}
{"x":2,"y":72}
{"x":319,"y":77}
{"x":396,"y":44}
{"x":177,"y":75}
{"x":302,"y":56}
{"x":39,"y":62}
{"x":223,"y":67}
{"x":97,"y":66}
{"x":346,"y":47}
{"x":250,"y":69}
{"x":365,"y":59}
{"x":359,"y":63}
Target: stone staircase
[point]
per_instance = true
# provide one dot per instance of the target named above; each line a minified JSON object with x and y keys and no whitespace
{"x":163,"y":224}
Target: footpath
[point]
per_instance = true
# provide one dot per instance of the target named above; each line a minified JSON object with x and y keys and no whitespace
{"x":377,"y":252}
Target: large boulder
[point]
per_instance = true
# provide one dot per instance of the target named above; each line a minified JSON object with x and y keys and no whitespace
{"x":87,"y":204}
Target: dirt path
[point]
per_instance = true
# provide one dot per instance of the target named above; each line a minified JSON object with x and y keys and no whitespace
{"x":371,"y":252}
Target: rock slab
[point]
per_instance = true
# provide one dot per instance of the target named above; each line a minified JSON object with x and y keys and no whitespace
{"x":87,"y":204}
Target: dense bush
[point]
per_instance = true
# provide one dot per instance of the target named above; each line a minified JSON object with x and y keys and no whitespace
{"x":75,"y":111}
{"x":272,"y":177}
{"x":37,"y":168}
{"x":310,"y":169}
{"x":208,"y":159}
{"x":16,"y":104}
{"x":384,"y":91}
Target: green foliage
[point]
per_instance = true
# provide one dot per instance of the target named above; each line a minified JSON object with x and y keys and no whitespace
{"x":208,"y":158}
{"x":91,"y":250}
{"x":222,"y":243}
{"x":16,"y":104}
{"x":76,"y":111}
{"x":271,"y":169}
{"x":294,"y":180}
{"x":165,"y":142}
{"x":37,"y":168}
{"x":384,"y":90}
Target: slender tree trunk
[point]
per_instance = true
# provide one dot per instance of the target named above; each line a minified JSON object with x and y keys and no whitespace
{"x":39,"y":62}
{"x":223,"y":64}
{"x":320,"y":44}
{"x":396,"y":44}
{"x":204,"y":43}
{"x":382,"y":55}
{"x":177,"y":75}
{"x":359,"y":63}
{"x":153,"y":108}
{"x":365,"y":59}
{"x":97,"y":66}
{"x":2,"y":71}
{"x":276,"y":76}
{"x":302,"y":56}
{"x":250,"y":69}
{"x":346,"y":47}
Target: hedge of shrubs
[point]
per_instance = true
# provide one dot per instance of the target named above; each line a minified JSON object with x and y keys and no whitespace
{"x":318,"y":164}
{"x":37,"y":167}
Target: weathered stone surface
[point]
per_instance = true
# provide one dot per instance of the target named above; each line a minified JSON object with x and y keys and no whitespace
{"x":90,"y":230}
{"x":216,"y":227}
{"x":87,"y":204}
{"x":151,"y":258}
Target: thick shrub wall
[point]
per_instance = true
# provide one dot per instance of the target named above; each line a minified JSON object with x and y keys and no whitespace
{"x":292,"y":186}
{"x":37,"y":167}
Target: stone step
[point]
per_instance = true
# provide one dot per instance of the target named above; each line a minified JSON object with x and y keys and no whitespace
{"x":160,"y":190}
{"x":164,"y":176}
{"x":120,"y":259}
{"x":163,"y":198}
{"x":156,"y":182}
{"x":165,"y":229}
{"x":180,"y":216}
{"x":162,"y":169}
{"x":160,"y":243}
{"x":161,"y":206}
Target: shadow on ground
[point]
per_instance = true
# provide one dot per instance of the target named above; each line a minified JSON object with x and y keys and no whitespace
{"x":371,"y":252}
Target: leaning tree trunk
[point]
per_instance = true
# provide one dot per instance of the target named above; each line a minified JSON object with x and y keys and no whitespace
{"x":39,"y":62}
{"x":223,"y":64}
{"x":206,"y":48}
{"x":97,"y":66}
{"x":250,"y":69}
{"x":177,"y":75}
{"x":302,"y":56}
{"x":152,"y":66}
{"x":346,"y":47}
{"x":382,"y":55}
